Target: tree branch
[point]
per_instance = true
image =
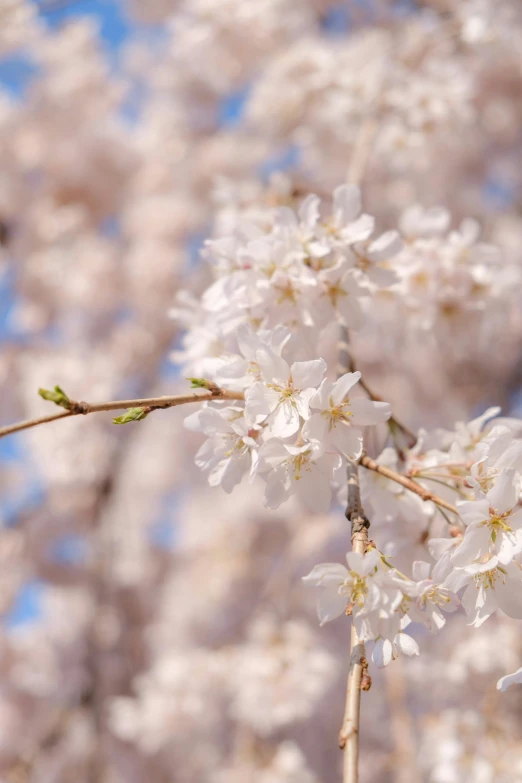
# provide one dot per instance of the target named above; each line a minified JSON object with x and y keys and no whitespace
{"x":392,"y":422}
{"x":406,"y":482}
{"x":357,"y":678}
{"x":150,"y":403}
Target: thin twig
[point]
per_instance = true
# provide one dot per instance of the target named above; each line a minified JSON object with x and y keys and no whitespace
{"x":349,"y":734}
{"x":410,"y":435}
{"x":422,"y":492}
{"x":153,"y":403}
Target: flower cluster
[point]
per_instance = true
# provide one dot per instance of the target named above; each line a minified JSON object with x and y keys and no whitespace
{"x":382,"y":601}
{"x":283,"y":278}
{"x":302,"y":270}
{"x":446,"y":275}
{"x":478,"y":466}
{"x":294,"y":427}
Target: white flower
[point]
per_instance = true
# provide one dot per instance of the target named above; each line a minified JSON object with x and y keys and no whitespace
{"x":283,"y":397}
{"x":416,"y":221}
{"x":374,"y":595}
{"x":372,"y":259}
{"x":346,"y":224}
{"x":430,"y":599}
{"x":340,"y":586}
{"x":510,"y":679}
{"x":496,"y":451}
{"x":385,"y":650}
{"x":302,"y":470}
{"x":493,"y":526}
{"x":339,"y":297}
{"x":231,"y":450}
{"x":340,"y":419}
{"x":489,"y":586}
{"x":241,"y":371}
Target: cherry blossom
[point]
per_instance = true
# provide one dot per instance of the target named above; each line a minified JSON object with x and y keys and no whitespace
{"x":340,"y":419}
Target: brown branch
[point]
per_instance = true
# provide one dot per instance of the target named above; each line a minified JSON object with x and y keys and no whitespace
{"x":392,"y":421}
{"x":406,"y":482}
{"x":347,"y":363}
{"x":357,"y":677}
{"x":153,"y":403}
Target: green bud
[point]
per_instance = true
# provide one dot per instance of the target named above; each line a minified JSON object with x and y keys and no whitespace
{"x":132,"y":414}
{"x":57,"y":395}
{"x":202,"y":383}
{"x":198,"y":383}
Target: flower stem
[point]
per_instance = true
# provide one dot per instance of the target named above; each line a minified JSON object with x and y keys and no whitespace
{"x":406,"y":482}
{"x":349,"y":734}
{"x":154,"y":403}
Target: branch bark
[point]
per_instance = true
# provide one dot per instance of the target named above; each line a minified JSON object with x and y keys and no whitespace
{"x":357,"y":677}
{"x":153,"y":403}
{"x":422,"y":492}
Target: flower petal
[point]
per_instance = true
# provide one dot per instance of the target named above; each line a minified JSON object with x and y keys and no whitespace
{"x":367,"y":412}
{"x":509,"y":679}
{"x":406,"y":645}
{"x":308,"y":374}
{"x":330,"y":605}
{"x":342,"y":386}
{"x":326,"y":575}
{"x":347,"y":204}
{"x":385,"y":246}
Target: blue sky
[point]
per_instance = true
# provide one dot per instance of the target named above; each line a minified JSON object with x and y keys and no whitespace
{"x":114,"y":23}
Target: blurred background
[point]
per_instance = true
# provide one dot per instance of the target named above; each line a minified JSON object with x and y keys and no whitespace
{"x":152,"y":628}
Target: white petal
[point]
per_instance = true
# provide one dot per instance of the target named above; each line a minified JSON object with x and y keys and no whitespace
{"x":420,"y":570}
{"x":247,"y":341}
{"x":359,"y":230}
{"x":284,"y":421}
{"x":382,"y":653}
{"x":322,"y":395}
{"x":326,"y":575}
{"x":438,"y":546}
{"x":510,"y":679}
{"x":192,"y":422}
{"x":308,"y":374}
{"x":473,"y":511}
{"x":504,"y":494}
{"x":231,"y":475}
{"x":277,"y":489}
{"x":259,"y":402}
{"x":302,"y":402}
{"x":479,"y":604}
{"x":309,"y":210}
{"x":385,"y":246}
{"x":330,"y":605}
{"x":457,"y":579}
{"x":406,"y":645}
{"x":507,"y":546}
{"x":347,"y":204}
{"x":509,"y":598}
{"x":348,"y":440}
{"x":316,"y":428}
{"x":366,"y":412}
{"x":475,"y":544}
{"x":273,"y":367}
{"x":342,"y":386}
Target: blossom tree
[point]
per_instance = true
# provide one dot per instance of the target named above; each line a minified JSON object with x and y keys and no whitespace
{"x":185,"y":224}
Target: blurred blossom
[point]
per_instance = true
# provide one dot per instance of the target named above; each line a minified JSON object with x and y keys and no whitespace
{"x":173,"y":202}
